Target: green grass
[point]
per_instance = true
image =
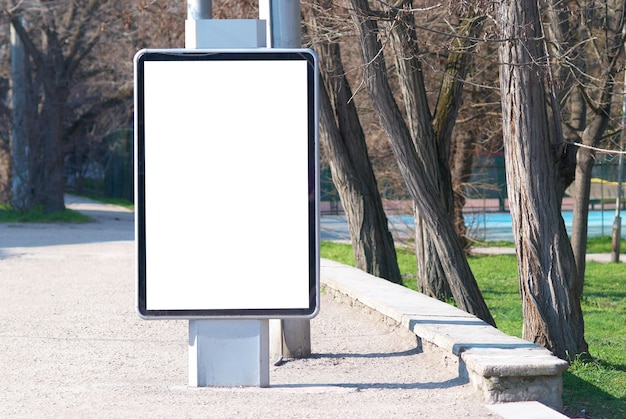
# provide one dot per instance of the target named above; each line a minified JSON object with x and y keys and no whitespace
{"x":37,"y":215}
{"x":341,"y":253}
{"x":499,"y":243}
{"x":594,"y":389}
{"x":498,"y":280}
{"x":594,"y":244}
{"x":602,"y":245}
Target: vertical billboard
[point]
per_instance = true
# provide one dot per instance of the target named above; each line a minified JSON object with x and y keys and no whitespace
{"x":226,"y":183}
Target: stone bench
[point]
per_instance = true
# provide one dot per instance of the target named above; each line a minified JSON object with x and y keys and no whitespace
{"x":500,"y":367}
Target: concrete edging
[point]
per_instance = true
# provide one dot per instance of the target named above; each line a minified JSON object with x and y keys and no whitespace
{"x":501,"y":368}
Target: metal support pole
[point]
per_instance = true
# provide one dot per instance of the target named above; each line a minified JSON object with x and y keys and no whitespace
{"x":20,"y":86}
{"x":289,"y":338}
{"x":225,"y":353}
{"x":617,"y":222}
{"x":199,"y":9}
{"x":283,"y":23}
{"x":616,"y":239}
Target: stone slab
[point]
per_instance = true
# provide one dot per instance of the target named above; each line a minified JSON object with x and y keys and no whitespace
{"x":502,"y":368}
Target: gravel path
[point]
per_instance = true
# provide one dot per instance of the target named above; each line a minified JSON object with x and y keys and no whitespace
{"x":71,"y":344}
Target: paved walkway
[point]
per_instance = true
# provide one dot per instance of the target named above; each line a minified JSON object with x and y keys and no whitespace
{"x":72,"y":346}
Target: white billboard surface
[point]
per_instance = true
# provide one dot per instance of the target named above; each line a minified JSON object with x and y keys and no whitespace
{"x":226,"y":184}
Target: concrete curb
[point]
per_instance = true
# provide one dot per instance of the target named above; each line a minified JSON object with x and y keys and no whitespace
{"x":501,"y":368}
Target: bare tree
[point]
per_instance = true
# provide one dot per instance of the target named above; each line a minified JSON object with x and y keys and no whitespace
{"x":342,"y":135}
{"x":57,"y":39}
{"x":552,"y":312}
{"x":79,"y":65}
{"x":576,"y":32}
{"x":432,"y":134}
{"x":415,"y":165}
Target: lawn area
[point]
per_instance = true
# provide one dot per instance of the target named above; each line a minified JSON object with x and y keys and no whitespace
{"x":37,"y":215}
{"x":595,"y":389}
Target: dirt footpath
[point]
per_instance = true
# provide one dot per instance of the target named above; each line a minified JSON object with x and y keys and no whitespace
{"x":71,"y":345}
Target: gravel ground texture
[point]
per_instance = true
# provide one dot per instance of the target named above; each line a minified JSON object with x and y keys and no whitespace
{"x":71,"y":344}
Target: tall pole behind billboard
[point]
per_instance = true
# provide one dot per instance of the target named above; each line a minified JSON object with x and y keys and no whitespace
{"x":284,"y":26}
{"x":199,"y":9}
{"x":617,"y":222}
{"x":289,"y":338}
{"x":20,"y":85}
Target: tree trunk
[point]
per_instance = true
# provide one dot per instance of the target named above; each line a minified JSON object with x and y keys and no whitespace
{"x":584,"y":165}
{"x":54,"y":71}
{"x":576,"y":165}
{"x":372,"y":243}
{"x":431,"y":275}
{"x":585,"y":159}
{"x":461,"y":170}
{"x":351,"y":169}
{"x":416,"y":172}
{"x":432,"y":136}
{"x":431,"y":278}
{"x":552,"y":313}
{"x":46,"y":175}
{"x":50,"y":183}
{"x":446,"y":111}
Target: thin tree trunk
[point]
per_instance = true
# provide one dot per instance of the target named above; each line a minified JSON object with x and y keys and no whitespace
{"x":552,"y":313}
{"x":461,"y":169}
{"x":576,"y":165}
{"x":446,"y":111}
{"x":584,"y":166}
{"x":585,"y":161}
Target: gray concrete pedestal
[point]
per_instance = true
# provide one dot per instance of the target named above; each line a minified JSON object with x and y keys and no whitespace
{"x":289,"y":339}
{"x":226,"y":353}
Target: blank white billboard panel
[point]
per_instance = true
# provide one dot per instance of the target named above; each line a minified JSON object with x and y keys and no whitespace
{"x":226,"y":171}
